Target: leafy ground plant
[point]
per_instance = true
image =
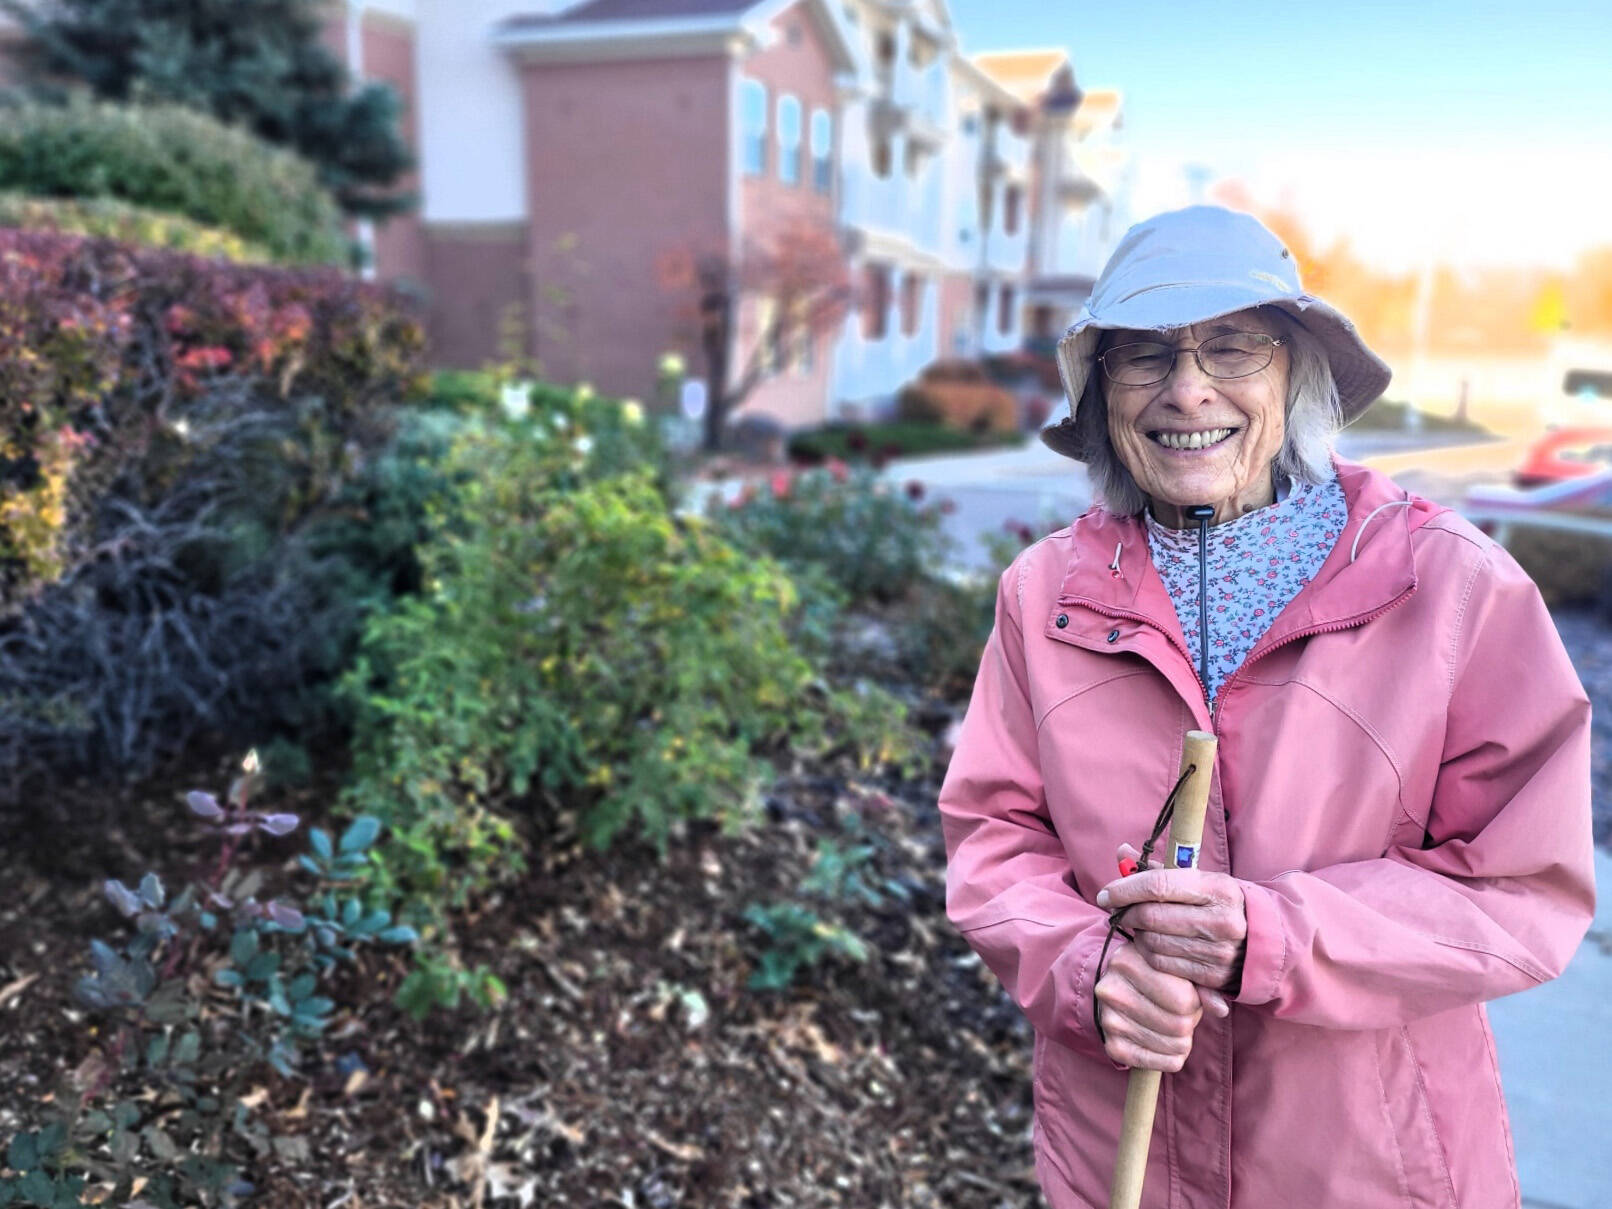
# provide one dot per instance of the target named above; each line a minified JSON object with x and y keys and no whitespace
{"x":797,"y":937}
{"x":214,"y":989}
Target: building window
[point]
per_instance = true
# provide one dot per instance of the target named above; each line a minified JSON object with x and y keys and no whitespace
{"x":789,"y":139}
{"x":822,"y":151}
{"x":1011,"y":200}
{"x":1004,"y":321}
{"x":881,"y":159}
{"x":875,"y":301}
{"x":912,"y":296}
{"x":753,"y":116}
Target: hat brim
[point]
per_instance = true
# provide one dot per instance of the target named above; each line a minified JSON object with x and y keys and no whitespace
{"x":1361,"y":376}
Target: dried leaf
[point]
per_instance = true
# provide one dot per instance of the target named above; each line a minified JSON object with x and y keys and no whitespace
{"x":15,"y":988}
{"x":685,"y":1154}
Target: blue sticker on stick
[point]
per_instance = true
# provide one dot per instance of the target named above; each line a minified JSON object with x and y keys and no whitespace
{"x":1186,"y":856}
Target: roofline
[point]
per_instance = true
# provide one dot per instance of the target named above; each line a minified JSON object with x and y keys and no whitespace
{"x":561,"y":32}
{"x":570,"y":40}
{"x":1004,"y":94}
{"x":1028,"y":50}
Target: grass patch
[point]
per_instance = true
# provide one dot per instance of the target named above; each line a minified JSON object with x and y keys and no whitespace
{"x":1387,"y":416}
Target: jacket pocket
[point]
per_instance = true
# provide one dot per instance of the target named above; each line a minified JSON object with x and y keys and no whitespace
{"x":1079,"y":1105}
{"x":1409,"y":1114}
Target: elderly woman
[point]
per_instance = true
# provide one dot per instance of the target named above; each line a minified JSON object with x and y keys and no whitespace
{"x":1398,"y":825}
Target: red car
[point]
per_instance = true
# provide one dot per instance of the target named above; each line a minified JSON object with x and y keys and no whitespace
{"x":1565,"y":453}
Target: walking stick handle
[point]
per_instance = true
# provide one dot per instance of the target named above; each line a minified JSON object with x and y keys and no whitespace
{"x":1142,"y":1090}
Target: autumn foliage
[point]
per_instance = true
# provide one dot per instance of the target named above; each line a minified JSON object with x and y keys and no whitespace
{"x":1442,"y":308}
{"x":111,"y":355}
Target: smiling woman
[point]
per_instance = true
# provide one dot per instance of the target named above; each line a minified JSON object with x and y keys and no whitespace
{"x":1398,"y":818}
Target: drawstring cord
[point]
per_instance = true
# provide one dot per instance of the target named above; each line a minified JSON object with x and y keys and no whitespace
{"x":1166,"y":813}
{"x":1354,"y":547}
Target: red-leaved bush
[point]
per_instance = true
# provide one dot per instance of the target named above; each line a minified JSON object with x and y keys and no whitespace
{"x":112,"y":355}
{"x":187,"y":460}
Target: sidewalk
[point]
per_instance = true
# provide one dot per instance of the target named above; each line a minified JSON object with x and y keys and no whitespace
{"x":1556,"y":1063}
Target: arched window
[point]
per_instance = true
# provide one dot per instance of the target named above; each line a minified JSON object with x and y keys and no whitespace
{"x":789,"y":139}
{"x":822,"y":151}
{"x":753,"y":117}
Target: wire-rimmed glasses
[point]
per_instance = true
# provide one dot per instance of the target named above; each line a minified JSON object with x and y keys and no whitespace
{"x":1228,"y":355}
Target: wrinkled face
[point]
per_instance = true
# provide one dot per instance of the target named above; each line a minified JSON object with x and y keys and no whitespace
{"x":1193,"y":439}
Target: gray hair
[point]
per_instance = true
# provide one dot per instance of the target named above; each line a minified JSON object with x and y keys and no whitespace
{"x":1312,"y":418}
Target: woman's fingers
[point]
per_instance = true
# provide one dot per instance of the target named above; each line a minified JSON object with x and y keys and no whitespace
{"x":1212,"y":964}
{"x":1208,"y":921}
{"x":1147,"y":1015}
{"x":1187,"y":922}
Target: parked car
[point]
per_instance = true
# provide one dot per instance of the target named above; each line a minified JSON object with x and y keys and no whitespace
{"x":1565,"y":453}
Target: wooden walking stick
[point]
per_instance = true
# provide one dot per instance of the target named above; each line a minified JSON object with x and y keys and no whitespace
{"x":1142,"y":1092}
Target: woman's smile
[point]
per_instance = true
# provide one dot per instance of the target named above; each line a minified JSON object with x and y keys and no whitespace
{"x":1192,"y":441}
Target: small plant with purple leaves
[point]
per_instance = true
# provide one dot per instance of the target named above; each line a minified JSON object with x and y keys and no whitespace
{"x":213,"y":986}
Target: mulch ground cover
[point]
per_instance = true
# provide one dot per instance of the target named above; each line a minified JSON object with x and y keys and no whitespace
{"x":630,"y":1065}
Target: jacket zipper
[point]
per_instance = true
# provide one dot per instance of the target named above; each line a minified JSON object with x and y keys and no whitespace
{"x":1330,"y":627}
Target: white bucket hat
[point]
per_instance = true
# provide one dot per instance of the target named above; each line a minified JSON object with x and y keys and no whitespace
{"x":1192,"y":265}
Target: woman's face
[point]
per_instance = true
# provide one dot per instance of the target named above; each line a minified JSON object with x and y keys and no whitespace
{"x":1192,"y":439}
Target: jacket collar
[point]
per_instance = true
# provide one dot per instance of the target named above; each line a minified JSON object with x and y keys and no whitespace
{"x":1370,"y":568}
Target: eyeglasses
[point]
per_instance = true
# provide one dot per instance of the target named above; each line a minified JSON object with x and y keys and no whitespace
{"x":1229,"y":355}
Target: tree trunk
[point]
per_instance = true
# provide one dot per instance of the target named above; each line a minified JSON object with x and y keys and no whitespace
{"x":716,"y":310}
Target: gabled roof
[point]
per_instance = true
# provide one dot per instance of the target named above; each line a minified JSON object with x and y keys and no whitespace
{"x":1025,"y":73}
{"x":637,"y":10}
{"x":1099,"y":110}
{"x":608,"y":25}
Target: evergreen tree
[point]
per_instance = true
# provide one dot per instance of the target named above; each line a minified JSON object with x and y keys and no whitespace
{"x":256,"y":63}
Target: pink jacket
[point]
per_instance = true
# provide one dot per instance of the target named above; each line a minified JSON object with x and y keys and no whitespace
{"x":1403,"y":790}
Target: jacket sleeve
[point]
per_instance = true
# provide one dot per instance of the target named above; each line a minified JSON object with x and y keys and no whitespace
{"x":1009,"y":887}
{"x":1502,"y":890}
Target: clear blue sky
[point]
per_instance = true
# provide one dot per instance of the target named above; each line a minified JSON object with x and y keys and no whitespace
{"x":1202,"y":74}
{"x":1483,"y":127}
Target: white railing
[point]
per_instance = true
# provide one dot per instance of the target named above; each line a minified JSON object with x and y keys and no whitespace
{"x":897,"y":205}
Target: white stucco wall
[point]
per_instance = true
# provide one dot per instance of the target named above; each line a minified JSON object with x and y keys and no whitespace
{"x":472,"y":154}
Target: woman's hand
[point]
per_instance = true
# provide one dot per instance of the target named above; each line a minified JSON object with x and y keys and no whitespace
{"x":1147,"y":1016}
{"x":1187,"y":922}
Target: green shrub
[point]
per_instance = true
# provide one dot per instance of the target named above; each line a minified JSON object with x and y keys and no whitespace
{"x":899,"y":438}
{"x":874,"y":542}
{"x":575,"y":641}
{"x":176,"y":161}
{"x":578,"y":648}
{"x":108,"y":218}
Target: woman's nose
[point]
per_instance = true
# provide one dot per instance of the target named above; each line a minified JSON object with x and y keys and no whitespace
{"x":1187,"y":384}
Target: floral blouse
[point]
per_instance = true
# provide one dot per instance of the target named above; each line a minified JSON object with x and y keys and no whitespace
{"x":1256,"y":564}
